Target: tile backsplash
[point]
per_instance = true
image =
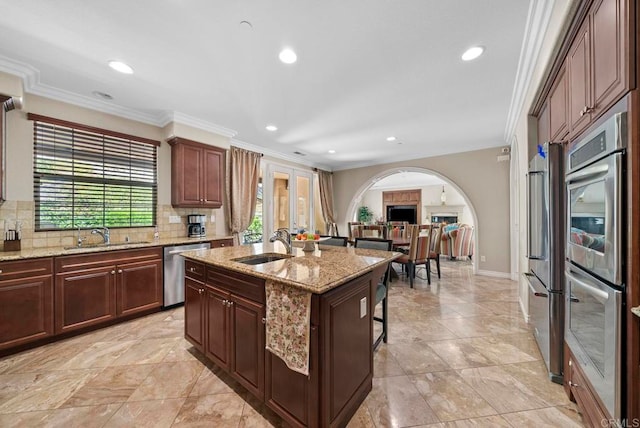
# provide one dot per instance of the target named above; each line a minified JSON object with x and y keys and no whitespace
{"x":23,"y":211}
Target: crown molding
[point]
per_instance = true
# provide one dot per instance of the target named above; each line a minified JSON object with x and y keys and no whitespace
{"x":194,"y":122}
{"x":537,"y":23}
{"x":279,"y":155}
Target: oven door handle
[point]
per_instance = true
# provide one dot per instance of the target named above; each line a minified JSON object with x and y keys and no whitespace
{"x":601,"y":295}
{"x":588,"y":175}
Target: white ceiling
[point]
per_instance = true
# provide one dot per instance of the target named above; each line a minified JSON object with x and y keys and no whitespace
{"x":366,"y":69}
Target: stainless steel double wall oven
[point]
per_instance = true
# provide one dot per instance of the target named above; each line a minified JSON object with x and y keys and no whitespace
{"x":595,"y":250}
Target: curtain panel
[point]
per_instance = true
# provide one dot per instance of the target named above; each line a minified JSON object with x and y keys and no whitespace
{"x":243,"y":174}
{"x":325,"y":180}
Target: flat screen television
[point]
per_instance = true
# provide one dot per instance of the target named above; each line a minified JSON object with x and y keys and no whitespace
{"x":402,"y":213}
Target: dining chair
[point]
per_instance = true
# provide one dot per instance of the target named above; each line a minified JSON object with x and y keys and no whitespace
{"x":434,"y":249}
{"x":332,"y":229}
{"x":353,"y":231}
{"x":372,"y":231}
{"x":382,"y":289}
{"x":336,"y":241}
{"x":418,"y":254}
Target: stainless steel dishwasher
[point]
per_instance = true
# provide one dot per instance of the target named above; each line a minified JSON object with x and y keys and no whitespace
{"x":174,"y":272}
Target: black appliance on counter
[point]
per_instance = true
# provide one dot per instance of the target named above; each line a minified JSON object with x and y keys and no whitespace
{"x":195,"y":225}
{"x":546,"y":240}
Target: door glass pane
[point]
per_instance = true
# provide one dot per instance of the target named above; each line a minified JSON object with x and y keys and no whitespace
{"x":588,"y":216}
{"x":303,"y":203}
{"x":587,"y":323}
{"x":281,"y":216}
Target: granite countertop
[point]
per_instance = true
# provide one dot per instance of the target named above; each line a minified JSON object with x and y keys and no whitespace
{"x":636,"y":311}
{"x":317,"y":272}
{"x":33,"y":253}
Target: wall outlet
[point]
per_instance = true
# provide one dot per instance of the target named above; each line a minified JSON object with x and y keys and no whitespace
{"x":483,"y":259}
{"x":174,"y":219}
{"x":363,"y":307}
{"x":213,"y":218}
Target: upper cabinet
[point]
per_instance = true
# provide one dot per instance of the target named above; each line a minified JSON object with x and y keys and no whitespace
{"x":558,"y":98}
{"x":197,"y":174}
{"x":598,"y":63}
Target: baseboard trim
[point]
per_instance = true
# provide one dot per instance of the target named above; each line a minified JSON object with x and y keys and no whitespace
{"x":495,"y":274}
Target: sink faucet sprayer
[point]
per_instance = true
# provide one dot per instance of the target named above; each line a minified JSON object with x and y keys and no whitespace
{"x":104,"y":233}
{"x":283,"y":235}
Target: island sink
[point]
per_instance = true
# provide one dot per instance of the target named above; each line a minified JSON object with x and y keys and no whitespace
{"x":259,"y":259}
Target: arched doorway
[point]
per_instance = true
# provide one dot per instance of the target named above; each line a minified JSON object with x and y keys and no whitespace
{"x":357,"y":199}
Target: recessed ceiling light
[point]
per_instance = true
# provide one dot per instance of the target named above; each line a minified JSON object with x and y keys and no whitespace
{"x":288,"y":56}
{"x":271,"y":128}
{"x":102,"y":95}
{"x":392,"y":138}
{"x":121,"y":67}
{"x":472,"y":53}
{"x":332,"y":151}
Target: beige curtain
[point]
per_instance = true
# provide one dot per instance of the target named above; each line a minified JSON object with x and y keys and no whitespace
{"x":326,"y":199}
{"x":243,"y":173}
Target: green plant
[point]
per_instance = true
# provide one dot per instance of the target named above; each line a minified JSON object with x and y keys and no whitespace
{"x":365,"y":214}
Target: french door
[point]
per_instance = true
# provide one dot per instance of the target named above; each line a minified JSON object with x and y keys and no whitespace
{"x":288,"y":199}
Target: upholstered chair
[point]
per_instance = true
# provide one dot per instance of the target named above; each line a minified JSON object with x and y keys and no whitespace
{"x":418,"y":254}
{"x":458,"y":241}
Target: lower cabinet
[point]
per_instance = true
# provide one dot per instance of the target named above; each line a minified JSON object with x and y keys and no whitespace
{"x":225,"y":317}
{"x":91,"y":289}
{"x":26,"y":301}
{"x":579,"y":391}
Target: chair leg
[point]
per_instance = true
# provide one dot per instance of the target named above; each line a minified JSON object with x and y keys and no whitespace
{"x":384,"y":320}
{"x":428,"y":266}
{"x":411,"y":269}
{"x":438,"y":264}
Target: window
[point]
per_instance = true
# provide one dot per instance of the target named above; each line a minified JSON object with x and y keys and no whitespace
{"x":89,"y":177}
{"x":253,"y":234}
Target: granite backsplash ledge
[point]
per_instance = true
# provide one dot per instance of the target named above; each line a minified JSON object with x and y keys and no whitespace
{"x":24,"y":211}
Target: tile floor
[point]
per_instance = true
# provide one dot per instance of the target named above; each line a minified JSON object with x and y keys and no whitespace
{"x":459,"y":355}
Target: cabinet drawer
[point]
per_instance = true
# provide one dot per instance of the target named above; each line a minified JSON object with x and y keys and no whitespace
{"x":588,"y":404}
{"x":25,"y":268}
{"x":194,"y":270}
{"x":237,"y":283}
{"x":105,"y":258}
{"x":219,"y":243}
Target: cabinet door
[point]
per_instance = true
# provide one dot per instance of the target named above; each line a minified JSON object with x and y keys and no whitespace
{"x":194,"y":313}
{"x":544,"y":130}
{"x":191,"y":173}
{"x":578,"y":62}
{"x":610,"y":81}
{"x":247,"y":344}
{"x":139,"y":286}
{"x":26,"y":310}
{"x":217,"y":331}
{"x":85,"y":298}
{"x":213,"y":177}
{"x":558,"y":108}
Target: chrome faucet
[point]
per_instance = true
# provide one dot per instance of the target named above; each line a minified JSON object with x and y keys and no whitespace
{"x":283,"y":235}
{"x":104,"y":233}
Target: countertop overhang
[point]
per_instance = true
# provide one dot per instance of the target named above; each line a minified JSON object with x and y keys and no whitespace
{"x":317,"y":272}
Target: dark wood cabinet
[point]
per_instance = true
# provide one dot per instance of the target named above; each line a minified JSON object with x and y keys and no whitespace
{"x":219,"y":243}
{"x":598,"y":63}
{"x":217,"y":326}
{"x":544,"y":131}
{"x":194,"y":304}
{"x":85,"y":298}
{"x":558,"y":108}
{"x":92,"y":289}
{"x":197,"y":174}
{"x":580,"y":391}
{"x":26,"y":301}
{"x":137,"y":288}
{"x":341,"y":336}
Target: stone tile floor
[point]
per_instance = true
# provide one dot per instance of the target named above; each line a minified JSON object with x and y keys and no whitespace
{"x":459,"y":355}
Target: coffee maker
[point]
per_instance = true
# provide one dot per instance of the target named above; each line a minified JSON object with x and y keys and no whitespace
{"x":195,"y":225}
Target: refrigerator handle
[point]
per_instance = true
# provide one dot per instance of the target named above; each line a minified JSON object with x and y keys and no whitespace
{"x":531,"y":203}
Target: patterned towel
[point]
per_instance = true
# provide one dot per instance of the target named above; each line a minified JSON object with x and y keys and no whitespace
{"x":288,"y":325}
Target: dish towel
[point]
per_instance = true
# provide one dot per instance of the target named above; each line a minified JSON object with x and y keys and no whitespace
{"x":288,"y":325}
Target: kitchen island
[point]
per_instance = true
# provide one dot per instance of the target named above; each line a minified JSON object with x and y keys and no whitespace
{"x":229,"y":317}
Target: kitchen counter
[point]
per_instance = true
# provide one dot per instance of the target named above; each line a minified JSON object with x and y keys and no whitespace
{"x":33,"y":253}
{"x":316,"y":272}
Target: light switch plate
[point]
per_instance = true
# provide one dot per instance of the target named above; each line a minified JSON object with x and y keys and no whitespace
{"x":213,"y":218}
{"x":174,"y":219}
{"x":363,"y":307}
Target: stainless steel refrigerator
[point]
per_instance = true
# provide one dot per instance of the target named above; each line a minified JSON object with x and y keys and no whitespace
{"x":546,"y":240}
